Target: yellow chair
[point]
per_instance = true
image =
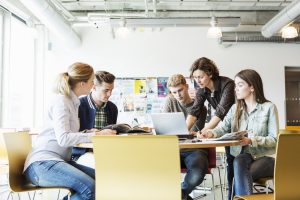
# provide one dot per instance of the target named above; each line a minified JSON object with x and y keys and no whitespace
{"x":286,"y":176}
{"x":18,"y":145}
{"x":4,"y":160}
{"x":137,"y":167}
{"x":3,"y":154}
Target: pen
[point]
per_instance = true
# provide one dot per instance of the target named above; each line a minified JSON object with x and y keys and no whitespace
{"x":197,"y":127}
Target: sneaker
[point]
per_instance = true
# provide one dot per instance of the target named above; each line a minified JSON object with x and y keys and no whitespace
{"x":188,"y":197}
{"x":185,"y":196}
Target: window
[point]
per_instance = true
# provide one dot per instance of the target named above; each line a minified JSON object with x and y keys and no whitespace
{"x":1,"y":62}
{"x":18,"y":84}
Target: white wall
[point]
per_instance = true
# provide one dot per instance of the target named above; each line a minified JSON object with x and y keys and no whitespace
{"x":172,"y":50}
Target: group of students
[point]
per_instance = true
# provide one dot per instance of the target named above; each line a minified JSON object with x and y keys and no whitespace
{"x":250,"y":111}
{"x":50,"y":164}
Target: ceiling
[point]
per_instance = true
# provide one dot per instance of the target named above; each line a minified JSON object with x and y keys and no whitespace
{"x":229,"y":13}
{"x":240,"y":19}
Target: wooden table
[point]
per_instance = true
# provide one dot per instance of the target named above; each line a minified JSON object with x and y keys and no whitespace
{"x":207,"y":144}
{"x":188,"y":145}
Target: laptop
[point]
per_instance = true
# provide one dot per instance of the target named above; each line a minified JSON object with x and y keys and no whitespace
{"x":170,"y":124}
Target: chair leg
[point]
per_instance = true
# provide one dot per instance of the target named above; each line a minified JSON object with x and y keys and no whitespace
{"x":10,"y":193}
{"x":220,"y":183}
{"x":34,"y":195}
{"x":213,"y":185}
{"x":204,"y":187}
{"x":58,"y":195}
{"x":232,"y":189}
{"x":28,"y":193}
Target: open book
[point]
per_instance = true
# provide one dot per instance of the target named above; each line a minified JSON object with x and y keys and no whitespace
{"x":125,"y":128}
{"x":230,"y":136}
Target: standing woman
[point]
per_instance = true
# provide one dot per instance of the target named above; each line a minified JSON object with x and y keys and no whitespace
{"x":255,"y":113}
{"x":48,"y":164}
{"x":218,"y":91}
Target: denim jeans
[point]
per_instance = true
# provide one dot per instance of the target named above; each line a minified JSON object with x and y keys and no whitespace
{"x":196,"y":163}
{"x":77,"y":152}
{"x":247,"y":170}
{"x":53,"y":173}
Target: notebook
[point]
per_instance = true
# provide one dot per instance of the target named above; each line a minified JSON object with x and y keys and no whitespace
{"x":170,"y":124}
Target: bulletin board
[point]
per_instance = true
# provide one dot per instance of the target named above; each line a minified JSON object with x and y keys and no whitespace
{"x":137,"y":97}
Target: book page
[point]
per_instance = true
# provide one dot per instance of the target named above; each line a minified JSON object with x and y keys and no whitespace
{"x":230,"y":136}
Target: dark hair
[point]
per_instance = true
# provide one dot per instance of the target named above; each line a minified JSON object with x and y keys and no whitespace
{"x":252,"y":78}
{"x":104,"y":76}
{"x":206,"y":65}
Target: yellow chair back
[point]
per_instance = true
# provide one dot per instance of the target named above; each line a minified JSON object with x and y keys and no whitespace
{"x":137,"y":167}
{"x":18,"y":145}
{"x":287,"y":174}
{"x":3,"y":153}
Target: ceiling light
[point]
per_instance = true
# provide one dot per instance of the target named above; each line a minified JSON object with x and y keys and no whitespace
{"x":289,"y":32}
{"x":123,"y":31}
{"x":214,"y":31}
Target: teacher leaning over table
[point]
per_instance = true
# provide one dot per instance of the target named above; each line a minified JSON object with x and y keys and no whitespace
{"x":218,"y":91}
{"x":48,"y":164}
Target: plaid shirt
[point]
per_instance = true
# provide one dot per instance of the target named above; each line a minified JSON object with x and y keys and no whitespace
{"x":100,"y":117}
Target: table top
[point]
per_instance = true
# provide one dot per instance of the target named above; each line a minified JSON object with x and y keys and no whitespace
{"x":207,"y":144}
{"x":188,"y":145}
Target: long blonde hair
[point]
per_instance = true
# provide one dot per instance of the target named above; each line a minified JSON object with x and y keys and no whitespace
{"x":76,"y":73}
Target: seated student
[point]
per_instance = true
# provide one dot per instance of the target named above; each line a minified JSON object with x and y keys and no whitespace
{"x":49,"y":163}
{"x":195,"y":160}
{"x":253,"y":112}
{"x":95,"y":110}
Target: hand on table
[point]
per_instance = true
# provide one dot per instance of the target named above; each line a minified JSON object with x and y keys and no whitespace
{"x":106,"y":132}
{"x":244,"y":141}
{"x":205,"y":134}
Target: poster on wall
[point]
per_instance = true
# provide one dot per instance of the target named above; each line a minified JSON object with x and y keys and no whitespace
{"x":136,"y":98}
{"x":151,"y":86}
{"x":162,"y":89}
{"x":140,"y":87}
{"x":192,"y":90}
{"x":128,"y":103}
{"x":140,"y":104}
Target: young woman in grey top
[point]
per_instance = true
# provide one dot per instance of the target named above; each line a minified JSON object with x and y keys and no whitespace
{"x":48,"y":164}
{"x":253,"y":112}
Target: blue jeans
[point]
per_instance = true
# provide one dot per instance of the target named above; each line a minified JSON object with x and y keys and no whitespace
{"x":247,"y":170}
{"x":53,"y":173}
{"x":77,"y":152}
{"x":196,"y":163}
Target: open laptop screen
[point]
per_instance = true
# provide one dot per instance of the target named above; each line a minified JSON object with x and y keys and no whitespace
{"x":170,"y":124}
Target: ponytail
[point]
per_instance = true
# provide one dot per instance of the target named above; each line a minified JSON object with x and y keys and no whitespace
{"x":63,"y":86}
{"x":77,"y":72}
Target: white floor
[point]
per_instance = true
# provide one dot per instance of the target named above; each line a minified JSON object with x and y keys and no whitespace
{"x":197,"y":194}
{"x":53,"y":194}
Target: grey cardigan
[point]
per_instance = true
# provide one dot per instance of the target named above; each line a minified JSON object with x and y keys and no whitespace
{"x":61,"y":133}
